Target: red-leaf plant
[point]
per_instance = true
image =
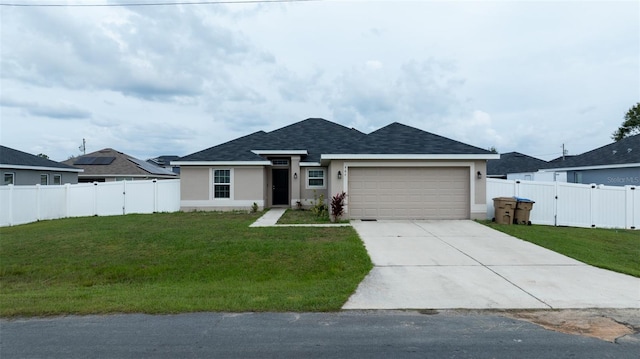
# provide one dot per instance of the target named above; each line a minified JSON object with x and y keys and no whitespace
{"x":337,"y":205}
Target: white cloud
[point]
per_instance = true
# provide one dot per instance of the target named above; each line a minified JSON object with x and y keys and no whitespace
{"x":373,"y":64}
{"x":61,"y":110}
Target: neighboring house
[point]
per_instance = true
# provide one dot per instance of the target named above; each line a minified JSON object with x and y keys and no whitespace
{"x":109,"y":165}
{"x":513,"y":162}
{"x":518,"y":166}
{"x":21,"y":168}
{"x":165,"y":162}
{"x":393,"y":173}
{"x":616,"y":164}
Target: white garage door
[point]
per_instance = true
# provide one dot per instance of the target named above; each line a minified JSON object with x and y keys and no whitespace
{"x":409,"y":193}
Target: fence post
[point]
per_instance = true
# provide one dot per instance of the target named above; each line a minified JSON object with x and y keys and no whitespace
{"x":593,"y":204}
{"x":630,"y":207}
{"x":124,"y":197}
{"x":11,"y":205}
{"x":155,"y":195}
{"x":95,"y":198}
{"x":38,"y":201}
{"x":555,"y":203}
{"x":67,"y":199}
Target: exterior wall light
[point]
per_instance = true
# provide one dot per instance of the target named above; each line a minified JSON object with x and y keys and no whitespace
{"x":479,"y":174}
{"x":295,"y":175}
{"x":339,"y":175}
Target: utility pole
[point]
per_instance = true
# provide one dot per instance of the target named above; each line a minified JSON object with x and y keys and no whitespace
{"x":564,"y":152}
{"x":83,"y":147}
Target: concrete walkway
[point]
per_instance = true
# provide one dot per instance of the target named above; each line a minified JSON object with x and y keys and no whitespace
{"x":463,"y":264}
{"x":271,"y":217}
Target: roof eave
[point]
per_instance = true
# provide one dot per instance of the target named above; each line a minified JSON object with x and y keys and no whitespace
{"x":597,"y":167}
{"x":490,"y":156}
{"x":220,"y":163}
{"x":279,"y":152}
{"x":95,"y":175}
{"x":39,"y":168}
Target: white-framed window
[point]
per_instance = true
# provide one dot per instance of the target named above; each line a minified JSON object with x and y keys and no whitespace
{"x":280,"y":162}
{"x":221,"y":184}
{"x":316,"y":178}
{"x":44,"y":179}
{"x":57,"y":179}
{"x":9,"y":178}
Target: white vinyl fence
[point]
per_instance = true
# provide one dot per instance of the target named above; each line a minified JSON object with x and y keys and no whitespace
{"x":25,"y":204}
{"x":570,"y":204}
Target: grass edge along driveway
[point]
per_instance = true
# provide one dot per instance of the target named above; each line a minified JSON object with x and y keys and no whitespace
{"x":613,"y":249}
{"x":175,"y":262}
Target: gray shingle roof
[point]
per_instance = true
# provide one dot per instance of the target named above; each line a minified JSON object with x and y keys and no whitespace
{"x":10,"y":156}
{"x":318,"y":136}
{"x":624,"y":151}
{"x":397,"y":138}
{"x":514,"y":162}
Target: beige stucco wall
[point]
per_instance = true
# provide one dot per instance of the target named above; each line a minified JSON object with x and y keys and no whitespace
{"x":295,"y":183}
{"x":481,"y":184}
{"x":254,"y":184}
{"x":248,"y":183}
{"x":195,"y":183}
{"x":307,"y":194}
{"x":336,"y":185}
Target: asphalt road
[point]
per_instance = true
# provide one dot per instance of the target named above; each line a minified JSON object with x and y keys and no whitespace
{"x":352,"y":334}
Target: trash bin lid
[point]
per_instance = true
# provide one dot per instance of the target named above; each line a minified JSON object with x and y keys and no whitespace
{"x":510,"y":199}
{"x":520,"y":199}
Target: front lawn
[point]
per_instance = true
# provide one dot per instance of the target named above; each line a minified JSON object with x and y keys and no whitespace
{"x":614,"y":249}
{"x":179,"y":262}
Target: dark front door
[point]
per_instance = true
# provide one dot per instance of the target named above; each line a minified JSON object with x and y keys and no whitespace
{"x":280,"y":178}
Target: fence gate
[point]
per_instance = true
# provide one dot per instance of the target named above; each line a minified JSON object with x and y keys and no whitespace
{"x":571,"y":204}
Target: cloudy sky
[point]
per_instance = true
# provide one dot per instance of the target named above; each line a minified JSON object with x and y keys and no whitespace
{"x":172,"y":80}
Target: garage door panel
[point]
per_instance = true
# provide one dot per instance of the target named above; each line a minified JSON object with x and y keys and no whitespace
{"x":420,"y":193}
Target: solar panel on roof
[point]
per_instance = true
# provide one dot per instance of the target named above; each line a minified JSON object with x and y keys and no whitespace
{"x":153,"y":169}
{"x":94,"y":161}
{"x":104,"y":160}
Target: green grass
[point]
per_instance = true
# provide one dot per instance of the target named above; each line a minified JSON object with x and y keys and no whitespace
{"x":614,"y":249}
{"x":301,"y":216}
{"x":179,"y":262}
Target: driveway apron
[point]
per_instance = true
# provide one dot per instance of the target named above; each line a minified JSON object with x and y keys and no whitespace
{"x":463,"y":264}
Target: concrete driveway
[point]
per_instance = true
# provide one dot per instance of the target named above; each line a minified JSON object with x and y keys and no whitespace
{"x":463,"y":264}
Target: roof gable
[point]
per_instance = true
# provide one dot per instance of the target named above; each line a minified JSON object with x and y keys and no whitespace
{"x":315,"y":135}
{"x":234,"y":150}
{"x":12,"y":157}
{"x":397,"y":138}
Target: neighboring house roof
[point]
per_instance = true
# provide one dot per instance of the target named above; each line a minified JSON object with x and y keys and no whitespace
{"x":561,"y":159}
{"x":514,"y":162}
{"x":162,"y":160}
{"x":623,"y":153}
{"x":11,"y":158}
{"x":316,"y":139}
{"x":109,"y":162}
